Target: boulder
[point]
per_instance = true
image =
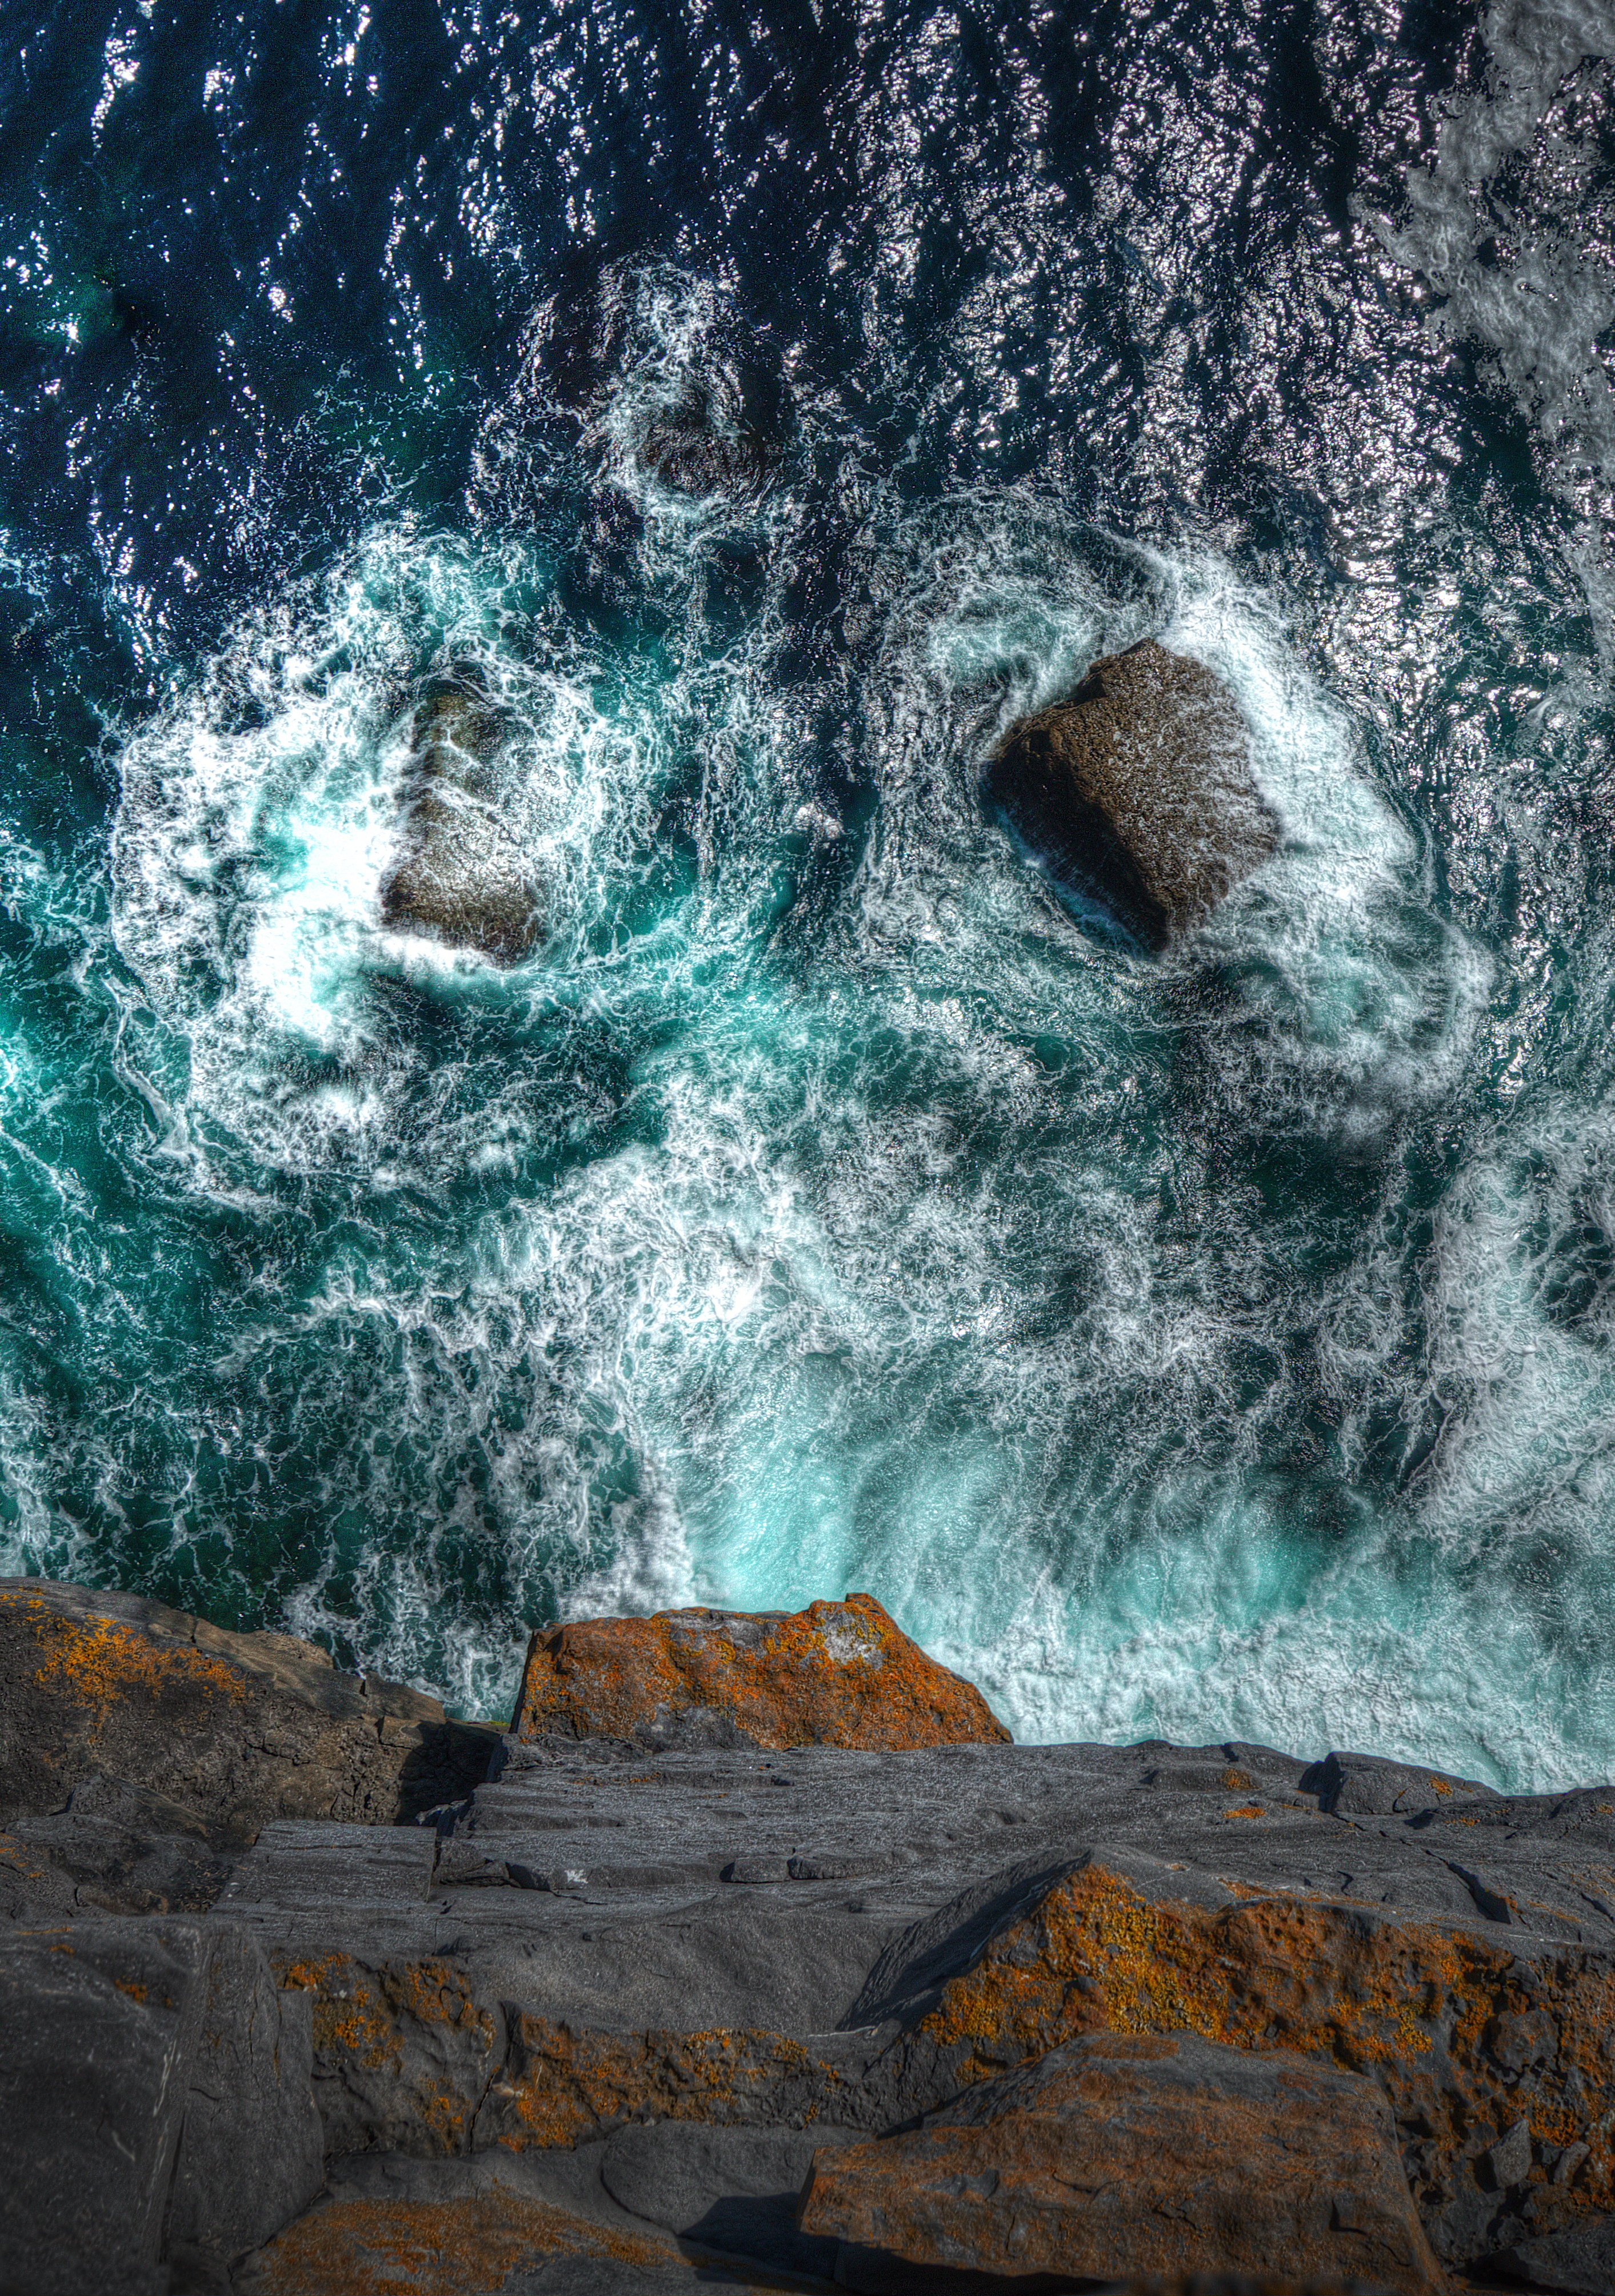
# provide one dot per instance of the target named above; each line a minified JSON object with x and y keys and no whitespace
{"x":1368,"y":1785}
{"x":1579,"y":2259}
{"x":462,"y":877}
{"x":1121,"y":2156}
{"x":1138,"y":790}
{"x":838,"y":1674}
{"x":232,"y":1729}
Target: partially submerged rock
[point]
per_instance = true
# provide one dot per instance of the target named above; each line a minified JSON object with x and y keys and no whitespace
{"x":233,"y":1729}
{"x":1138,"y":790}
{"x":689,"y":446}
{"x":463,"y":877}
{"x":838,"y":1674}
{"x":1122,"y":2156}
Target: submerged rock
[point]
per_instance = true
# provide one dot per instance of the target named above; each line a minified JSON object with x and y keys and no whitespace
{"x":838,"y":1674}
{"x":1139,"y":790}
{"x":464,"y":877}
{"x":688,"y":448}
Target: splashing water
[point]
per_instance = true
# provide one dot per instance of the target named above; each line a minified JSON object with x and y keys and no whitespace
{"x":1216,"y":1344}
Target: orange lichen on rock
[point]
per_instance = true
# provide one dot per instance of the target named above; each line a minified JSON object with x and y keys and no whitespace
{"x":1122,"y":2159}
{"x":95,"y":1664}
{"x":564,"y":2088}
{"x":407,"y":2042}
{"x":466,"y":2246}
{"x":838,"y":1674}
{"x":1411,"y":2003}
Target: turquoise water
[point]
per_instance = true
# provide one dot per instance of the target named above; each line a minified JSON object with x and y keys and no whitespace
{"x":1217,"y":1344}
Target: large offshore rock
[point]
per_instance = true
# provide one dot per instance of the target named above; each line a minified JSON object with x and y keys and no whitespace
{"x":1139,"y":790}
{"x":838,"y":1674}
{"x":155,"y":2096}
{"x":1120,"y":2156}
{"x":233,"y":1728}
{"x":464,"y":876}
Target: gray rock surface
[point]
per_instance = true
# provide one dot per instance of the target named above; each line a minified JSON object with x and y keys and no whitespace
{"x":646,"y":1985}
{"x":155,"y":2093}
{"x":1121,"y":2156}
{"x":251,"y":2154}
{"x":1138,"y":790}
{"x":606,"y":1912}
{"x":1579,"y":2259}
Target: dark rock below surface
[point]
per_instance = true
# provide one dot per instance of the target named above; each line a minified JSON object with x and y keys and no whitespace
{"x":464,"y":877}
{"x":1138,"y":790}
{"x":620,"y":2019}
{"x":691,"y":447}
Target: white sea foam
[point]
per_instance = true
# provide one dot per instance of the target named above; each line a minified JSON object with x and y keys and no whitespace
{"x":917,"y":1240}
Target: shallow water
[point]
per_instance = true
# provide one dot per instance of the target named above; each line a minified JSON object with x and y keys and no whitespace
{"x":1217,"y":1344}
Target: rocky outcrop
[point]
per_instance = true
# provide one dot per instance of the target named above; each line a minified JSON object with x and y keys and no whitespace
{"x":629,"y":2017}
{"x":125,"y":1724}
{"x":838,"y":1674}
{"x":1138,"y":790}
{"x":464,"y":877}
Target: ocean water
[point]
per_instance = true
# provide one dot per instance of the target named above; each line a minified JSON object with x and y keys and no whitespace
{"x":1218,"y":1343}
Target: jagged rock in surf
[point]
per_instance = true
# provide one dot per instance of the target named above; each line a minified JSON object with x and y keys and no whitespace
{"x":689,"y":450}
{"x":464,"y":877}
{"x":1139,"y":790}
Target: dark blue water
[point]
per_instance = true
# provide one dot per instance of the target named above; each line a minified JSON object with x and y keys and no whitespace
{"x":1213,"y":1343}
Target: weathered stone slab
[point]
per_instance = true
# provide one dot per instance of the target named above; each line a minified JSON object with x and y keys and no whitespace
{"x":1366,"y":1785}
{"x":734,"y":2189}
{"x":475,"y":2226}
{"x":1117,"y":2157}
{"x":98,"y":2026}
{"x":1139,"y":790}
{"x":236,"y":1728}
{"x":250,"y":2151}
{"x":1467,"y":2037}
{"x":155,"y":2095}
{"x":115,"y":1849}
{"x":838,"y":1674}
